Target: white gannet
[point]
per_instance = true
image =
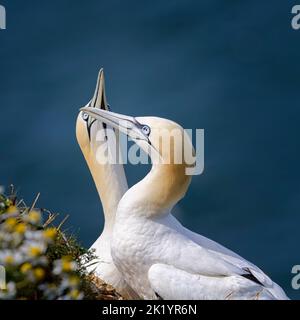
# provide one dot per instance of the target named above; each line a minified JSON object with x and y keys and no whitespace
{"x":157,"y":256}
{"x":111,"y":184}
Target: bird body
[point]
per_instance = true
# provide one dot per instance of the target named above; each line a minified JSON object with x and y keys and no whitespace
{"x":155,"y":254}
{"x":158,"y":258}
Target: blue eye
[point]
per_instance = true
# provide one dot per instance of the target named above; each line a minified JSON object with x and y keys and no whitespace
{"x":85,"y":116}
{"x":146,"y":130}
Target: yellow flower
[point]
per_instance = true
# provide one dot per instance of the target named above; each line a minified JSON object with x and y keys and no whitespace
{"x":66,"y":266}
{"x":12,"y":209}
{"x":74,"y":294}
{"x":9,"y":260}
{"x":39,"y":273}
{"x":11,"y":222}
{"x":34,"y":216}
{"x":74,"y":281}
{"x":50,"y":233}
{"x":21,"y":228}
{"x":26,"y":267}
{"x":35,"y":251}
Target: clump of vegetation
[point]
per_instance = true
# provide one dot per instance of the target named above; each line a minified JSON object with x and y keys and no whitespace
{"x":40,"y":260}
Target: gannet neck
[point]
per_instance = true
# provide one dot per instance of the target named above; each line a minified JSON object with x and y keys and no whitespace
{"x":111,"y":184}
{"x":171,"y":183}
{"x":158,"y":192}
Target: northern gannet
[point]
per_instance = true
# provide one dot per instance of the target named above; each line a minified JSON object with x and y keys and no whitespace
{"x":111,"y":184}
{"x":157,"y":256}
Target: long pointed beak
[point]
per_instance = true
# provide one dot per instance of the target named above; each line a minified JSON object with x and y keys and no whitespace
{"x":126,"y":124}
{"x":99,"y":99}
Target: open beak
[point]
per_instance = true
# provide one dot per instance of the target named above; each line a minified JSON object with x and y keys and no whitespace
{"x":126,"y":124}
{"x":99,"y":99}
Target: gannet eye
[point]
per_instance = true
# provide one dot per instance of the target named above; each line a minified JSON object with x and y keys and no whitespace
{"x":146,"y":130}
{"x":85,"y":116}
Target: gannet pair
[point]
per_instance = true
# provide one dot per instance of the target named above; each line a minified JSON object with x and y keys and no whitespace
{"x":153,"y":255}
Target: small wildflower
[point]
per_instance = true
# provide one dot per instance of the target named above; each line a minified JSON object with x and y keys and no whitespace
{"x":34,"y":251}
{"x":9,"y":259}
{"x":11,"y":208}
{"x":34,"y":217}
{"x":74,"y":281}
{"x":26,"y":267}
{"x":66,"y":266}
{"x":50,"y":233}
{"x":75,"y":294}
{"x":21,"y":228}
{"x":11,"y":222}
{"x":39,"y":273}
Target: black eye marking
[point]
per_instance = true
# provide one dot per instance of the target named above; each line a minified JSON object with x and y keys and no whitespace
{"x":89,"y":126}
{"x":86,"y":118}
{"x":105,"y":106}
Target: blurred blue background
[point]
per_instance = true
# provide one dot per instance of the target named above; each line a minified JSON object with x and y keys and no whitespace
{"x":230,"y":67}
